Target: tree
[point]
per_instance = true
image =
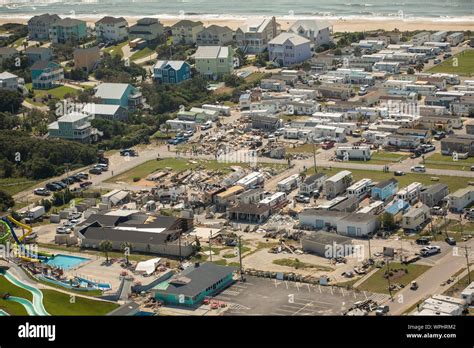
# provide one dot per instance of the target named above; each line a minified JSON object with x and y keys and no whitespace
{"x":10,"y":101}
{"x":357,"y":51}
{"x":6,"y":201}
{"x":126,"y":247}
{"x":106,"y":246}
{"x":337,"y":52}
{"x":410,"y":71}
{"x":387,"y":221}
{"x":232,"y":80}
{"x":419,"y":67}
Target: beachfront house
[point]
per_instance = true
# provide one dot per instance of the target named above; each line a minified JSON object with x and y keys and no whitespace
{"x":46,"y":75}
{"x":317,"y":31}
{"x":148,"y":29}
{"x":288,"y":49}
{"x":68,"y":30}
{"x":254,"y":36}
{"x":214,"y":61}
{"x":171,"y":71}
{"x":9,"y":81}
{"x":122,"y":94}
{"x":185,"y":32}
{"x":215,"y":35}
{"x":111,"y":29}
{"x":38,"y":26}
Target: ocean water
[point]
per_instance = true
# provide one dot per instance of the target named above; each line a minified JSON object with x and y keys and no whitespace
{"x":446,"y":10}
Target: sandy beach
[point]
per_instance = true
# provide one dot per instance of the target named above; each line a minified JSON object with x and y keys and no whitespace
{"x":339,"y":25}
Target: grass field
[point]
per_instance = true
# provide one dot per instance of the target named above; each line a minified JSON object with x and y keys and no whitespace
{"x":145,"y":52}
{"x":382,"y":157}
{"x":462,"y":64}
{"x":57,"y":92}
{"x":305,"y":148}
{"x":14,"y":185}
{"x":438,"y":161}
{"x":58,"y":303}
{"x":454,"y":183}
{"x":116,"y":50}
{"x":377,"y":283}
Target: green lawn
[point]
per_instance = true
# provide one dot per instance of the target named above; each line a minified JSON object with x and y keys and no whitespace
{"x":305,"y":148}
{"x":14,"y":185}
{"x":58,"y":303}
{"x":377,"y":283}
{"x":454,"y":183}
{"x":57,"y":92}
{"x":116,"y":50}
{"x":438,"y":161}
{"x":145,"y":52}
{"x":462,"y":64}
{"x":460,"y":285}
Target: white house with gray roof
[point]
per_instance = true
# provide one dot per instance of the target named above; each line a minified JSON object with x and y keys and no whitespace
{"x":317,"y":31}
{"x":254,"y":36}
{"x":214,"y":35}
{"x":111,"y":29}
{"x":288,"y":49}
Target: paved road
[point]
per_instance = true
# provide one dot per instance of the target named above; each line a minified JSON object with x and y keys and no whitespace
{"x":430,"y":282}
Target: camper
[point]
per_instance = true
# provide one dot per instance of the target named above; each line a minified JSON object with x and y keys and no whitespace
{"x":411,"y":193}
{"x":289,"y":184}
{"x":347,"y":153}
{"x":360,"y":189}
{"x":337,"y":184}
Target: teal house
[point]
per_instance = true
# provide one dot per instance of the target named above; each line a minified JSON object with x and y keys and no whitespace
{"x":46,"y":75}
{"x":385,"y":190}
{"x":171,"y":71}
{"x":121,"y":94}
{"x":190,"y":287}
{"x":68,"y":30}
{"x":74,"y":126}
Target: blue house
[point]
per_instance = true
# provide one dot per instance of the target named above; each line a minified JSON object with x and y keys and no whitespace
{"x":171,"y":71}
{"x":46,"y":75}
{"x":122,"y":94}
{"x":190,"y":287}
{"x":384,"y":190}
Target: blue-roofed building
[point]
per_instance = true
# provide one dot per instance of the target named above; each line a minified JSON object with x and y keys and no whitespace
{"x":397,"y":209}
{"x":122,"y":94}
{"x":190,"y":287}
{"x":384,"y":190}
{"x":171,"y":71}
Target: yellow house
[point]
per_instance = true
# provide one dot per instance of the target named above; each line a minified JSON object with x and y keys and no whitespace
{"x":214,"y":61}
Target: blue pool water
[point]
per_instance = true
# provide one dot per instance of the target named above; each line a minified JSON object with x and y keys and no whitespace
{"x":66,"y":261}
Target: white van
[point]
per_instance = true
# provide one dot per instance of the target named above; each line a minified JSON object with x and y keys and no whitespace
{"x":418,"y":168}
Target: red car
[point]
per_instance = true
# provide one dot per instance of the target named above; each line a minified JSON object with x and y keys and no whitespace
{"x":327,"y":145}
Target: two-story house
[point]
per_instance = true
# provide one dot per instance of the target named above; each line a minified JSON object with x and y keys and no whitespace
{"x":7,"y":53}
{"x":148,"y":29}
{"x":74,"y":126}
{"x":171,"y":71}
{"x":288,"y":49}
{"x":186,"y":31}
{"x":122,"y":94}
{"x":46,"y":75}
{"x":9,"y":81}
{"x":214,"y":61}
{"x":317,"y":31}
{"x":254,"y":36}
{"x":68,"y":30}
{"x":215,"y":35}
{"x":35,"y":54}
{"x":384,"y":190}
{"x":86,"y":59}
{"x":111,"y":29}
{"x":38,"y":26}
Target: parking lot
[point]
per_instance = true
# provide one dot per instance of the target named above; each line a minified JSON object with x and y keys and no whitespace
{"x":259,"y":296}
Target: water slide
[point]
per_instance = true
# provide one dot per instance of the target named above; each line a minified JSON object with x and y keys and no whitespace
{"x":9,"y":221}
{"x":33,"y":308}
{"x":22,"y":225}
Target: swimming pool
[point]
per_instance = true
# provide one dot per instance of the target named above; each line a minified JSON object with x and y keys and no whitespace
{"x":66,"y":261}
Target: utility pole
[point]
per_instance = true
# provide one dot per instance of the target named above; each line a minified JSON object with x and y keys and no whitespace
{"x":240,"y":259}
{"x":210,"y":249}
{"x":370,"y":253}
{"x":388,"y":278}
{"x":466,"y":252}
{"x":314,"y":158}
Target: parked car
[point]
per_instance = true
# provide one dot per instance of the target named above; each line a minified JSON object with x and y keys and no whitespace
{"x":430,"y":250}
{"x":95,"y":170}
{"x":399,"y":173}
{"x":413,"y":285}
{"x":102,"y":166}
{"x":82,"y":175}
{"x":437,"y":211}
{"x":41,"y":192}
{"x":85,"y":184}
{"x":327,"y":145}
{"x":188,"y":134}
{"x":437,"y":61}
{"x":60,"y":184}
{"x":302,"y":199}
{"x":128,"y":152}
{"x":382,"y":310}
{"x":427,"y":148}
{"x":418,"y":168}
{"x":439,"y":135}
{"x":63,"y":230}
{"x":423,"y":241}
{"x":53,"y":187}
{"x":450,"y":240}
